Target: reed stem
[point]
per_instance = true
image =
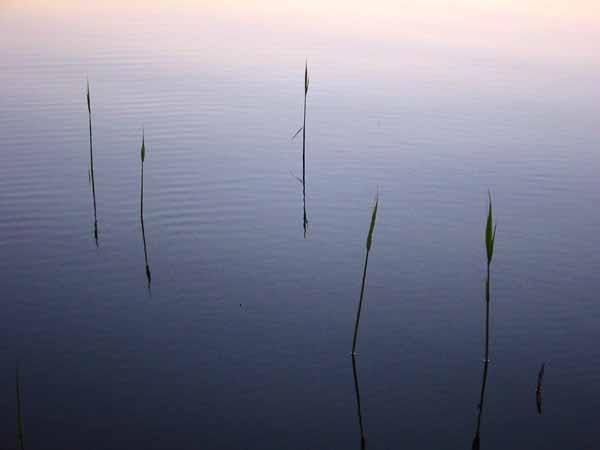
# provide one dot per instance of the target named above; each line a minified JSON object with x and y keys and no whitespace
{"x":142,"y":194}
{"x":304,"y":150}
{"x":20,"y":434}
{"x":477,"y":440}
{"x":92,"y":164}
{"x":487,"y":315}
{"x":360,"y":303}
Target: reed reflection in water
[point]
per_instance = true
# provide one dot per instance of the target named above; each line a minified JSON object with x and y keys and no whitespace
{"x":363,"y":441}
{"x":476,"y":440}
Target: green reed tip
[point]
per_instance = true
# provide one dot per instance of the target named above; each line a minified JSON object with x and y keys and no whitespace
{"x":88,"y":97}
{"x":306,"y":79}
{"x":373,"y":219}
{"x":490,"y":232}
{"x":143,"y":150}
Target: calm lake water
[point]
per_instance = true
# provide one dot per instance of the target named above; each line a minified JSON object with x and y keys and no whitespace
{"x":244,"y":340}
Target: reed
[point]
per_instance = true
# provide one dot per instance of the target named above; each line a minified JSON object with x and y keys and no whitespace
{"x":477,"y":438}
{"x":20,"y":434}
{"x":362,"y":287}
{"x":490,"y":239}
{"x":538,"y":390}
{"x":363,"y":441}
{"x":304,"y":217}
{"x":143,"y":158}
{"x":306,"y":83}
{"x":303,"y":130}
{"x":91,"y":170}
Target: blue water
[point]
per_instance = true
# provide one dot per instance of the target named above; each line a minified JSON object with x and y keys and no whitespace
{"x":243,"y":340}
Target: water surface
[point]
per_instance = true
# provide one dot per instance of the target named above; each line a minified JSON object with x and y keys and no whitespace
{"x":244,"y":340}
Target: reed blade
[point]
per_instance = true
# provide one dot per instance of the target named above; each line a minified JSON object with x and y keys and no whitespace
{"x":88,"y":97}
{"x":297,"y":133}
{"x":373,"y":219}
{"x":490,"y":232}
{"x":143,"y":149}
{"x":306,"y":80}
